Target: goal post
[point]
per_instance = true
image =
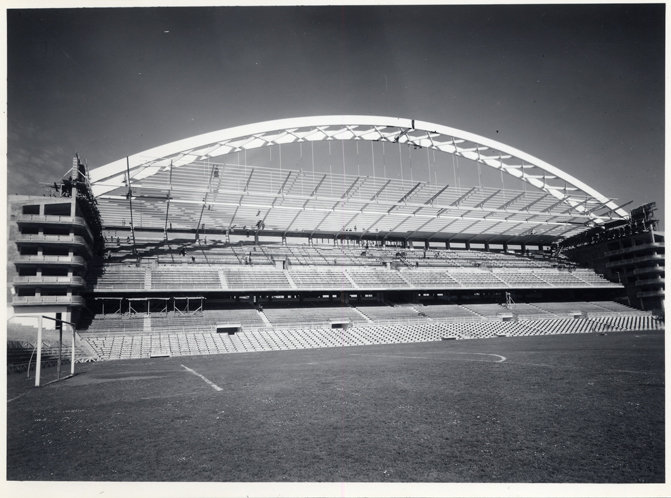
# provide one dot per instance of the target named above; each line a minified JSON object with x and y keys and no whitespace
{"x":59,"y":326}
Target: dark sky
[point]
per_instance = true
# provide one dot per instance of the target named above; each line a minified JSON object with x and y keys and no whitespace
{"x":581,"y":87}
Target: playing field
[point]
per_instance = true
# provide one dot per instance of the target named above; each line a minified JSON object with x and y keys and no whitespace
{"x":578,"y":408}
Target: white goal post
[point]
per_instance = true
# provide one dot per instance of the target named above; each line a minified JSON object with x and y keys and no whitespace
{"x":38,"y":364}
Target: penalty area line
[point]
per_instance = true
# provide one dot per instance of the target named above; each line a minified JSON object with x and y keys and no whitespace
{"x":216,"y":387}
{"x":503,"y":358}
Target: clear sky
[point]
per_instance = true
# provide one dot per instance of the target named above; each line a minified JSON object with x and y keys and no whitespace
{"x":578,"y":86}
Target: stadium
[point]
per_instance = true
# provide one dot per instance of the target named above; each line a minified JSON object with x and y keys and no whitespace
{"x":233,"y":256}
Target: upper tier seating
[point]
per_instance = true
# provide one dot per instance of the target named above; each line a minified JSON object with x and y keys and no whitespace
{"x":256,"y":279}
{"x":430,"y":278}
{"x":184,"y":278}
{"x":521,"y":279}
{"x":477,"y":278}
{"x":116,"y":277}
{"x":320,"y":278}
{"x":377,"y":278}
{"x":592,"y":278}
{"x":561,"y":278}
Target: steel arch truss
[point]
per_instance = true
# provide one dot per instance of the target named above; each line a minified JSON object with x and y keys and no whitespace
{"x":564,"y":199}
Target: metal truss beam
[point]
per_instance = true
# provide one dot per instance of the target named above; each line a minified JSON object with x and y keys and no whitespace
{"x":107,"y":178}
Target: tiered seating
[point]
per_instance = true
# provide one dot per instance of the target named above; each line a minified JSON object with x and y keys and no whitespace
{"x":121,"y":347}
{"x":20,"y":354}
{"x":502,"y":260}
{"x":248,"y":317}
{"x":619,"y":308}
{"x":632,"y":322}
{"x":567,"y":326}
{"x":191,"y":341}
{"x":181,"y":278}
{"x":377,"y":278}
{"x":256,"y":279}
{"x":568,"y":308}
{"x":523,"y":311}
{"x":449,"y":312}
{"x":389,"y":313}
{"x":590,"y":308}
{"x":116,"y":277}
{"x":320,"y":278}
{"x":476,"y":278}
{"x":521,"y":279}
{"x":487,"y":310}
{"x":389,"y":334}
{"x":592,"y":278}
{"x":173,"y":322}
{"x":558,"y":309}
{"x":324,"y":315}
{"x":481,"y":329}
{"x":347,"y":256}
{"x":430,"y":278}
{"x":561,"y":279}
{"x":117,"y":324}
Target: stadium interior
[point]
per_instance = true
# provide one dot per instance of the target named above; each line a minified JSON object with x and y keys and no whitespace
{"x":263,"y":238}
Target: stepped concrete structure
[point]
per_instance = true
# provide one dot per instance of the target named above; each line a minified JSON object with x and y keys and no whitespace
{"x":262,"y":237}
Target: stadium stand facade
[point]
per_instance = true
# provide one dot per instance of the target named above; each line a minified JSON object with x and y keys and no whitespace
{"x":170,"y":252}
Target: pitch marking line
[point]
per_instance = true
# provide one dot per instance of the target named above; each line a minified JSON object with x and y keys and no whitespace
{"x":19,"y":396}
{"x":216,"y":387}
{"x":503,"y":358}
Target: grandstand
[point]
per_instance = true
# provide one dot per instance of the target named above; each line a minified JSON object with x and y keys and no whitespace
{"x":208,"y":246}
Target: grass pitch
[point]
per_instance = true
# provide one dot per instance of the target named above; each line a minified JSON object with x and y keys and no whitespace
{"x":579,"y":408}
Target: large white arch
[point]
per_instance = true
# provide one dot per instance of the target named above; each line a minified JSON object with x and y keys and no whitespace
{"x":564,"y":187}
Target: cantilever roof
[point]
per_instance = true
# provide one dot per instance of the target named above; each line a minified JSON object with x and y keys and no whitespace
{"x":181,"y":185}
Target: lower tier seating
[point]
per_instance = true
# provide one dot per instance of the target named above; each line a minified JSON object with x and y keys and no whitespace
{"x":192,"y":342}
{"x":317,"y":315}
